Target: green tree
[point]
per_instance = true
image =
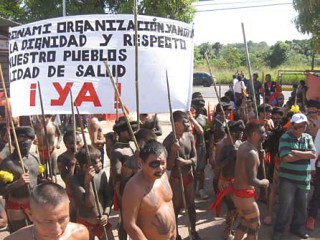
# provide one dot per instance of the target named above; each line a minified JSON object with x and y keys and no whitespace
{"x":278,"y":54}
{"x":26,"y":11}
{"x":308,"y":19}
{"x":232,"y":56}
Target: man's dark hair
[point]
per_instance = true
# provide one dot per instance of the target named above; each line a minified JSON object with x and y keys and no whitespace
{"x":68,"y":136}
{"x":48,"y":193}
{"x":264,"y":108}
{"x":179,"y":116}
{"x":145,"y":134}
{"x":81,"y":156}
{"x":152,"y":147}
{"x":252,"y":126}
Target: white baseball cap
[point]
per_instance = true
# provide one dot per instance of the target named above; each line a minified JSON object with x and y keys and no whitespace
{"x":298,"y":118}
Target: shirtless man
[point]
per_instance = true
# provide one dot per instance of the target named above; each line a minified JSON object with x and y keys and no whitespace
{"x":122,"y":150}
{"x":53,"y":131}
{"x":245,"y":181}
{"x":225,"y":162}
{"x":17,"y":192}
{"x":96,"y":135}
{"x":147,"y":199}
{"x":49,"y":211}
{"x":82,"y":192}
{"x":68,"y":166}
{"x":182,"y":154}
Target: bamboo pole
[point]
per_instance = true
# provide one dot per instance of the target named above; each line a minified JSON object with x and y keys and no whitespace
{"x":219,"y":100}
{"x":179,"y":169}
{"x":136,"y":66}
{"x":49,"y":163}
{"x":122,"y":105}
{"x":95,"y":193}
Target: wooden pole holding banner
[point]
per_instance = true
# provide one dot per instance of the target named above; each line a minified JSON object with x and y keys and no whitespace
{"x":11,"y":122}
{"x":179,"y":169}
{"x":89,"y":162}
{"x":219,"y":100}
{"x":122,"y":105}
{"x":117,"y":101}
{"x":136,"y":66}
{"x":49,"y":163}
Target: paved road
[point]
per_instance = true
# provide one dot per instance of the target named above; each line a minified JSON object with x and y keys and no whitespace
{"x":208,"y":226}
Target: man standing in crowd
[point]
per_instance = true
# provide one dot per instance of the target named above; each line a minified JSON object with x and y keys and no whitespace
{"x":245,"y":181}
{"x":182,"y":154}
{"x":147,"y":199}
{"x":296,"y":148}
{"x":17,"y":192}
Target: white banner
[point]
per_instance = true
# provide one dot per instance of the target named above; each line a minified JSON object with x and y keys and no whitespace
{"x":67,"y":54}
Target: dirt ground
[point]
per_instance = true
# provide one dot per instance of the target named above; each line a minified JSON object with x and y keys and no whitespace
{"x":208,"y":226}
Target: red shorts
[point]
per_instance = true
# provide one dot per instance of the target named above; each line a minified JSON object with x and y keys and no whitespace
{"x":44,"y":153}
{"x":186,"y":179}
{"x":96,"y":229}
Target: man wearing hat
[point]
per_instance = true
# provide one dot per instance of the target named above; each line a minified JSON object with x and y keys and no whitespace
{"x":17,"y":192}
{"x":122,"y":150}
{"x":296,"y":148}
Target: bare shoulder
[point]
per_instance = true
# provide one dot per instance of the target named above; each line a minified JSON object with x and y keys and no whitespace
{"x":134,"y":187}
{"x":22,"y":234}
{"x":77,"y":231}
{"x":247,"y":151}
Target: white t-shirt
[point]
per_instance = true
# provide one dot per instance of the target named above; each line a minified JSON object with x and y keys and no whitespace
{"x":238,"y":86}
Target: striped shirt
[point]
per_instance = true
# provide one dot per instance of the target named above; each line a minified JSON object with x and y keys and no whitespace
{"x":298,"y":172}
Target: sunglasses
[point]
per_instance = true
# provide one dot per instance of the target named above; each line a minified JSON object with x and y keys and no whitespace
{"x":300,"y":127}
{"x":154,"y":164}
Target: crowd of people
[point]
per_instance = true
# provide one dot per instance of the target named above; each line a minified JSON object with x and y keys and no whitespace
{"x":259,"y":148}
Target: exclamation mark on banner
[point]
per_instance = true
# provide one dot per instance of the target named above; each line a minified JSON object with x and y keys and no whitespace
{"x":33,"y":88}
{"x":117,"y":104}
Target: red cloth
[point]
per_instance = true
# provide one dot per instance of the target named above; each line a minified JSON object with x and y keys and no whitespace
{"x":115,"y":201}
{"x":186,"y":179}
{"x":96,"y":228}
{"x":10,"y":204}
{"x":44,"y":153}
{"x":241,"y":193}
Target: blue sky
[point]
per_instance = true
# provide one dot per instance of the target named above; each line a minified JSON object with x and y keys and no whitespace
{"x":270,"y":23}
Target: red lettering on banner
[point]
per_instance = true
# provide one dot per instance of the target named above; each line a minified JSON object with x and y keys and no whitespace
{"x":33,"y":89}
{"x":92,"y":97}
{"x":63,"y":93}
{"x":117,"y":104}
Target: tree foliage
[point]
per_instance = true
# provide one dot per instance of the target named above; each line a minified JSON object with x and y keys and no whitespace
{"x":278,"y":54}
{"x":308,"y":19}
{"x":25,"y":11}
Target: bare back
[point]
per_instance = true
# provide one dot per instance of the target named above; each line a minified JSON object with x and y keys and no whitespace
{"x":52,"y":131}
{"x":246,"y":166}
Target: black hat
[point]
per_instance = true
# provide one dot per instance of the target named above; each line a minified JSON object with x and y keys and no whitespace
{"x":313,"y":103}
{"x":121,"y":125}
{"x":277,"y":110}
{"x":236,"y":126}
{"x":25,"y":131}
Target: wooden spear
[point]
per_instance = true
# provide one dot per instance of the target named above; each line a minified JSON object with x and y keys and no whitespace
{"x":179,"y":169}
{"x":219,"y":100}
{"x":122,"y":105}
{"x":49,"y":163}
{"x":254,"y":98}
{"x":11,"y":121}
